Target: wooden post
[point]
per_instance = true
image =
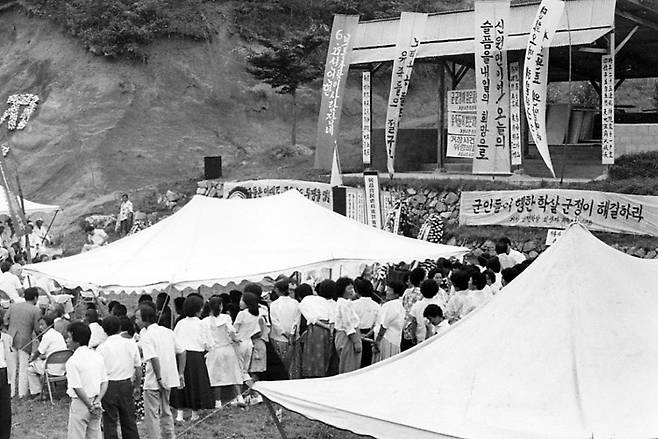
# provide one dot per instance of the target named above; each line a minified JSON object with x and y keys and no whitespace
{"x":279,"y":427}
{"x":441,"y":117}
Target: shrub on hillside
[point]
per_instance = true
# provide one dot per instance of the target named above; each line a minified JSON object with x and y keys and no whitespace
{"x":644,"y":164}
{"x":122,"y":28}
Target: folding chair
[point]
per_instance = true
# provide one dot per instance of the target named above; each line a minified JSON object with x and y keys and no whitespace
{"x":59,"y":357}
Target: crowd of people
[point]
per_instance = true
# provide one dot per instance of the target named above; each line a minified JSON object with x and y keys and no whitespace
{"x":165,"y":360}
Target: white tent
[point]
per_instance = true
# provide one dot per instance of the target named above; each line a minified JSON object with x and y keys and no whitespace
{"x":30,"y":206}
{"x":212,"y":241}
{"x":568,"y":350}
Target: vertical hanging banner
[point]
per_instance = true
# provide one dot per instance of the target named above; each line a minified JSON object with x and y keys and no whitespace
{"x":333,"y":86}
{"x":373,"y":199}
{"x":515,"y":113}
{"x":492,"y":155}
{"x":365,"y":121}
{"x":535,"y":73}
{"x":462,"y":105}
{"x":608,"y":109}
{"x":15,"y":208}
{"x":410,"y":30}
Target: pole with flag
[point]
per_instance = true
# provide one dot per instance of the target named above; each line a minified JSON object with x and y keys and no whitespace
{"x":336,"y":173}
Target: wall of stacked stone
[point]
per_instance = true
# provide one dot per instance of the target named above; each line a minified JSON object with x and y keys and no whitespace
{"x":424,"y":201}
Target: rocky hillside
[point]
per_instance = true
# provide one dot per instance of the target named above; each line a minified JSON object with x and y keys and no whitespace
{"x":103,"y":127}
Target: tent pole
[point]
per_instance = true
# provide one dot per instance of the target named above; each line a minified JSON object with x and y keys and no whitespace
{"x":270,"y":408}
{"x":49,"y":226}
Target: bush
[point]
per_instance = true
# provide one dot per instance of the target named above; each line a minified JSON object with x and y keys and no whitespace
{"x":643,"y":165}
{"x":123,"y":28}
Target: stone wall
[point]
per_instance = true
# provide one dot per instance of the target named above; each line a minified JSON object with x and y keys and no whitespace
{"x":635,"y":138}
{"x":423,"y":201}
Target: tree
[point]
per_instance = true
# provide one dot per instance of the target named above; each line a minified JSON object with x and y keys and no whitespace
{"x":287,"y":64}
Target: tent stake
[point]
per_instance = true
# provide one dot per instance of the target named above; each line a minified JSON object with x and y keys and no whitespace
{"x":279,"y":427}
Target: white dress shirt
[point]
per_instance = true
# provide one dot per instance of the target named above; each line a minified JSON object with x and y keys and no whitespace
{"x":346,"y":319}
{"x":417,"y":311}
{"x":86,"y":370}
{"x":159,"y":342}
{"x":51,"y":341}
{"x":516,"y":255}
{"x":391,"y":318}
{"x":10,"y":284}
{"x":315,"y":308}
{"x":285,"y":315}
{"x":367,"y":310}
{"x":246,"y":325}
{"x":121,"y":357}
{"x":98,"y":335}
{"x":190,"y":335}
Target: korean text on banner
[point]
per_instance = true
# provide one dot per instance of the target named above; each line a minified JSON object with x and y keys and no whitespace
{"x":491,"y":80}
{"x":515,"y":113}
{"x":410,"y":30}
{"x":333,"y":86}
{"x":373,"y":199}
{"x":366,"y":115}
{"x":314,"y":191}
{"x":556,"y":208}
{"x":535,"y":74}
{"x":553,"y":235}
{"x":462,"y":106}
{"x":608,"y":109}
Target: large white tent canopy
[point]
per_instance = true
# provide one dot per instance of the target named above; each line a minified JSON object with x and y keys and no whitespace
{"x":567,"y":350}
{"x":212,"y":241}
{"x":30,"y":206}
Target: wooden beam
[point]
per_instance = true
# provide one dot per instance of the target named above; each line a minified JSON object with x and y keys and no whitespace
{"x":441,"y":96}
{"x":596,"y":86}
{"x":637,"y":19}
{"x":625,"y":40}
{"x":460,"y":75}
{"x":375,"y":68}
{"x":619,"y":83}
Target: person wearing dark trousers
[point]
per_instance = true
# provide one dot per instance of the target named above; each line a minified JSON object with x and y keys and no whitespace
{"x":123,"y":364}
{"x":5,"y":401}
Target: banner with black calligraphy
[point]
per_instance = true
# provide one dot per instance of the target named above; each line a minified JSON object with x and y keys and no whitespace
{"x":314,"y":191}
{"x":365,"y":118}
{"x":515,"y":113}
{"x":462,"y":106}
{"x":492,"y":155}
{"x":557,"y":208}
{"x":535,"y":74}
{"x":373,"y":199}
{"x":608,"y":109}
{"x":333,"y":86}
{"x":410,"y":31}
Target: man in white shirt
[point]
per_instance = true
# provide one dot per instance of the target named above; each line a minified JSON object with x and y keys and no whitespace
{"x":367,"y":310}
{"x":460,"y":298}
{"x":87,"y":382}
{"x":41,"y":232}
{"x":10,"y":284}
{"x":285,"y":316}
{"x":124,"y":373}
{"x":98,"y":336}
{"x":125,"y":218}
{"x":516,"y":255}
{"x":429,"y":289}
{"x":51,"y":341}
{"x":165,"y":363}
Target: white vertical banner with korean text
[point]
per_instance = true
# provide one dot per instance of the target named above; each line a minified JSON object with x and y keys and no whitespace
{"x":333,"y":86}
{"x":462,"y":105}
{"x":373,"y":199}
{"x":515,"y":113}
{"x":557,"y":208}
{"x":608,"y":109}
{"x":492,"y":155}
{"x":410,"y":31}
{"x":535,"y":73}
{"x":366,"y":123}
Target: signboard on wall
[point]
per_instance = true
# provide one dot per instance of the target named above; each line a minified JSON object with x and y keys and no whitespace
{"x":461,"y":123}
{"x":515,"y":113}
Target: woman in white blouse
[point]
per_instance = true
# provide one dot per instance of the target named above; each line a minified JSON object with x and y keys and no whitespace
{"x":196,"y":394}
{"x":317,"y":342}
{"x":348,"y":336}
{"x":389,"y":323}
{"x":222,"y":359}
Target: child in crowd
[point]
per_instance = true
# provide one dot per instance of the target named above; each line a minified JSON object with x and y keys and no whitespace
{"x":434,"y":321}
